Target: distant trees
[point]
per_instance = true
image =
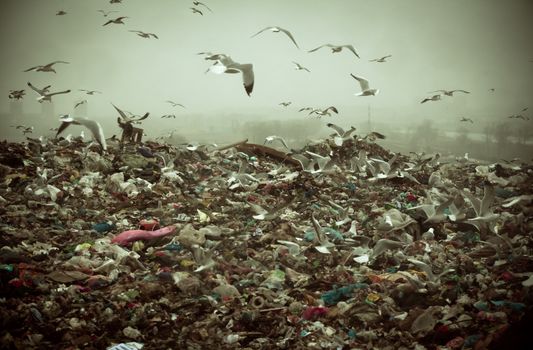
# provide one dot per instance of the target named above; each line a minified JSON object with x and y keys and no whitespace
{"x":425,"y":136}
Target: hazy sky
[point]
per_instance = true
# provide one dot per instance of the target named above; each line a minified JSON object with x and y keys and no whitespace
{"x":446,"y":44}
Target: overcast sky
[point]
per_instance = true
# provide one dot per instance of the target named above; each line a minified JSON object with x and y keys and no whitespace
{"x":447,"y":44}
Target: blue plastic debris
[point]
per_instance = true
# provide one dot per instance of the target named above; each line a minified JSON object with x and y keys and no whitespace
{"x":333,"y":296}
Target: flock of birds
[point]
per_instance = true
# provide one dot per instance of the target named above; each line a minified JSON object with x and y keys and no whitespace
{"x":222,"y":64}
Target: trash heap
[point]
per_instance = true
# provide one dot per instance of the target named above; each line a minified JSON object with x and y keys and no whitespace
{"x":196,"y":247}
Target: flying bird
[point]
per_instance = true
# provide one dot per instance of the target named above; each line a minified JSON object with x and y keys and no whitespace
{"x":463,"y":119}
{"x":168,"y":116}
{"x":300,"y":67}
{"x":106,"y":13}
{"x":89,"y":92}
{"x":117,"y":20}
{"x":322,"y":112}
{"x":224,"y":64}
{"x":275,"y":29}
{"x":365,"y":87}
{"x":128,"y":119}
{"x":272,"y":138}
{"x":94,"y":127}
{"x":432,"y":98}
{"x":61,"y":13}
{"x":144,"y":34}
{"x":115,"y":1}
{"x":44,"y":95}
{"x":305,"y":109}
{"x":285,"y":104}
{"x":197,"y":3}
{"x":16,"y":94}
{"x":80,"y":103}
{"x":46,"y":68}
{"x":337,"y":48}
{"x":174,"y":104}
{"x":25,"y":129}
{"x":492,"y":89}
{"x":195,"y":10}
{"x":519,"y":116}
{"x":380,"y":60}
{"x":342,"y":135}
{"x":450,"y":92}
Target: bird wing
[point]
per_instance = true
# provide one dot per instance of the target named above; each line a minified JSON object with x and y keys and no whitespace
{"x":40,"y":92}
{"x":362,"y":81}
{"x":96,"y":130}
{"x":464,"y":91}
{"x":58,"y":92}
{"x":337,"y":128}
{"x":201,"y":3}
{"x":290,"y":36}
{"x":32,"y":68}
{"x":63,"y":126}
{"x":136,"y":31}
{"x":50,"y":64}
{"x":487,"y":200}
{"x":155,"y":36}
{"x":122,"y":114}
{"x":262,"y":30}
{"x":247,"y":76}
{"x":144,"y":116}
{"x":351,"y":48}
{"x":321,"y":46}
{"x":106,"y":23}
{"x":333,"y":109}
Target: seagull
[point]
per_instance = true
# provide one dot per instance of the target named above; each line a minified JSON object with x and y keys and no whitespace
{"x":285,"y":104}
{"x":450,"y":92}
{"x":46,"y":68}
{"x":277,"y":30}
{"x":365,"y":87}
{"x":482,"y":208}
{"x":373,"y":136}
{"x":300,"y":67}
{"x":90,"y":92}
{"x":168,"y":116}
{"x":322,"y":112}
{"x":224,"y":64}
{"x":196,"y":3}
{"x":144,"y":34}
{"x":342,"y":135}
{"x":25,"y":129}
{"x":80,"y":103}
{"x":492,"y":89}
{"x":16,"y":94}
{"x":93,"y":126}
{"x":61,"y":13}
{"x":128,"y":119}
{"x":272,"y":138}
{"x":435,"y":212}
{"x":117,"y":20}
{"x":44,"y":94}
{"x":519,"y":116}
{"x":115,"y":1}
{"x":432,"y":98}
{"x":335,"y":48}
{"x":195,"y":10}
{"x":174,"y":104}
{"x":305,"y":109}
{"x":380,"y":60}
{"x":106,"y":13}
{"x":463,"y":119}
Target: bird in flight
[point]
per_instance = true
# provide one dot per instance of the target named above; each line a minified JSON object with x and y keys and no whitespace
{"x":450,"y":92}
{"x":492,"y":89}
{"x":90,"y":92}
{"x":94,"y":127}
{"x":365,"y":87}
{"x":128,"y":119}
{"x":60,"y":13}
{"x":25,"y":129}
{"x":275,"y":29}
{"x":174,"y":104}
{"x":115,"y":1}
{"x":285,"y":104}
{"x":380,"y":60}
{"x":168,"y":116}
{"x":45,"y":68}
{"x":300,"y":67}
{"x":336,"y":48}
{"x":197,"y":3}
{"x":117,"y":20}
{"x":432,"y":98}
{"x":195,"y":10}
{"x":16,"y":94}
{"x":322,"y":112}
{"x":106,"y":13}
{"x":80,"y":103}
{"x":463,"y":119}
{"x":272,"y":138}
{"x":144,"y":34}
{"x":44,"y":95}
{"x":224,"y":64}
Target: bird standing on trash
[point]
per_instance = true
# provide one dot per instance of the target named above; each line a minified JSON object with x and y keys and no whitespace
{"x":94,"y":127}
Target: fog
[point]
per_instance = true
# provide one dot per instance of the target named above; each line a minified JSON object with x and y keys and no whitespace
{"x":474,"y":45}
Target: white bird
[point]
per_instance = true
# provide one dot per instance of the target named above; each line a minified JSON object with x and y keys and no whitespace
{"x":450,"y":92}
{"x":94,"y":127}
{"x":90,"y":92}
{"x":144,"y":34}
{"x":272,"y":138}
{"x":80,"y":103}
{"x":117,"y":20}
{"x":285,"y":104}
{"x":195,"y":10}
{"x":380,"y":60}
{"x":275,"y":29}
{"x":308,"y":165}
{"x":224,"y":64}
{"x":42,"y":91}
{"x":44,"y":95}
{"x":337,"y":48}
{"x":342,"y":135}
{"x":300,"y":67}
{"x":196,"y":3}
{"x":45,"y":68}
{"x":365,"y":87}
{"x":463,"y":119}
{"x":323,"y":112}
{"x":174,"y":104}
{"x":106,"y":13}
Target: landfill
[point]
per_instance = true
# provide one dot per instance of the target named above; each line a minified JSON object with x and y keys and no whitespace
{"x":339,"y":245}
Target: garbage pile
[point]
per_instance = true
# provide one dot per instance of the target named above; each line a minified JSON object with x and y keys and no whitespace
{"x":340,"y":245}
